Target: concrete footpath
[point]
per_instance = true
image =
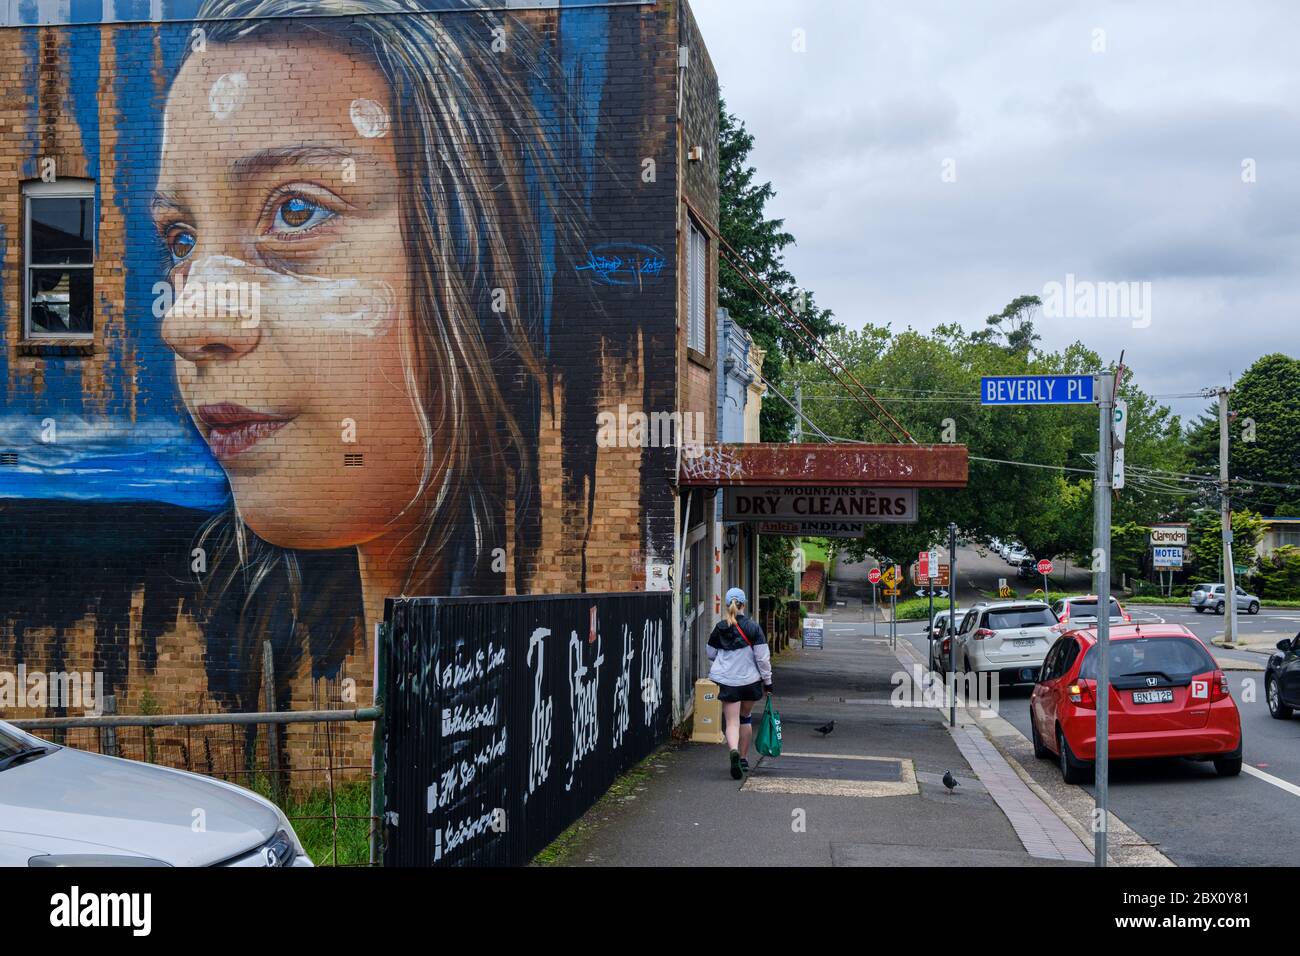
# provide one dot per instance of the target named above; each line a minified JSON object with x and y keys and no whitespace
{"x":867,"y":794}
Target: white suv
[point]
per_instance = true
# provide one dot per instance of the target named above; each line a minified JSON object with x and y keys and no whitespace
{"x":1007,"y":638}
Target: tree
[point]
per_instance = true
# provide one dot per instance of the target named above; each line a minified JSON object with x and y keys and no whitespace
{"x":1206,"y":541}
{"x":1029,"y":464}
{"x":1263,"y":437}
{"x":759,"y":242}
{"x":1128,"y":548}
{"x":1278,"y":575}
{"x":1063,"y":525}
{"x":1014,"y":325}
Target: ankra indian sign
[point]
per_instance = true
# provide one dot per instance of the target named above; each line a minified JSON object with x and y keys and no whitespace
{"x":813,"y":529}
{"x":828,"y":503}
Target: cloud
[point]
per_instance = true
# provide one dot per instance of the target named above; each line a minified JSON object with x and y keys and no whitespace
{"x":1129,"y":163}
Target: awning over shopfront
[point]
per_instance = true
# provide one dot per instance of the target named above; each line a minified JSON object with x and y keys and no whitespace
{"x":862,"y":466}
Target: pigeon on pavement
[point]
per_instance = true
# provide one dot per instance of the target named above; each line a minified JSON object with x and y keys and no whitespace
{"x":949,"y":781}
{"x":825,"y":729}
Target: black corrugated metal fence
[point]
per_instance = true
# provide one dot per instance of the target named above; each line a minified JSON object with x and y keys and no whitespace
{"x":506,"y":718}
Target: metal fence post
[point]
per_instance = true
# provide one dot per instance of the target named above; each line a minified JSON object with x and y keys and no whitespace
{"x":108,"y":735}
{"x":379,"y":732}
{"x":272,"y":731}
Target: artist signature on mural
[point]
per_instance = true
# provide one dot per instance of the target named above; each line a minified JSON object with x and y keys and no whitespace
{"x":624,"y":264}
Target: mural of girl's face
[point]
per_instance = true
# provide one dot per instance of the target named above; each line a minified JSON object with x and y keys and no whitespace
{"x":277,"y":201}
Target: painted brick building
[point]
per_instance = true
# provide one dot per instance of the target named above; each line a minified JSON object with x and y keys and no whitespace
{"x":306,"y":303}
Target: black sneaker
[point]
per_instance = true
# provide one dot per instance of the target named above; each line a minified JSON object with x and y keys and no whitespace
{"x":736,"y":772}
{"x":744,"y":765}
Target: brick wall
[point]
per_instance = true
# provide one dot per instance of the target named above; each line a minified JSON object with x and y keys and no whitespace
{"x":699,"y":190}
{"x":456,"y":305}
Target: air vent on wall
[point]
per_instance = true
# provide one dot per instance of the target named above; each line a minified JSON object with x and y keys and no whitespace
{"x":8,"y":458}
{"x":353,"y":461}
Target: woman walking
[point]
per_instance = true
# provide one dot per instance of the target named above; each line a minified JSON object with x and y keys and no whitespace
{"x":742,"y":669}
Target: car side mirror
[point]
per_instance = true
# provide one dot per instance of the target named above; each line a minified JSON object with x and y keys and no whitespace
{"x":1284,"y":644}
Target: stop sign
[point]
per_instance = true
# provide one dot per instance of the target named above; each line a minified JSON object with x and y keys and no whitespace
{"x":1044,"y":566}
{"x":874,"y":575}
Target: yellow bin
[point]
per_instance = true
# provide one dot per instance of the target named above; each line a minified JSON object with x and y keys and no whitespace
{"x":708,"y":713}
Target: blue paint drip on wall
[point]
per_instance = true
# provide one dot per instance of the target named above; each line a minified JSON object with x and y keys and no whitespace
{"x":585,"y":35}
{"x":158,"y":456}
{"x":545,"y":215}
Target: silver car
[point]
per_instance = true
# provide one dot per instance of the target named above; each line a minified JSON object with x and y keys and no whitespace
{"x":65,"y":807}
{"x":940,"y":633}
{"x":1210,"y":597}
{"x":1006,"y":638}
{"x":1076,"y":612}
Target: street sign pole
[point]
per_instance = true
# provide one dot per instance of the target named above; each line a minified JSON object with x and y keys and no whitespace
{"x":874,"y":577}
{"x":1225,"y":527}
{"x":893,"y":605}
{"x":893,"y":623}
{"x":873,"y":610}
{"x":931,"y":631}
{"x":952,"y":625}
{"x":1101,"y":550}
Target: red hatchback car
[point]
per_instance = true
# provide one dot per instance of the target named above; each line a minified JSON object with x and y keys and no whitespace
{"x":1168,"y":698}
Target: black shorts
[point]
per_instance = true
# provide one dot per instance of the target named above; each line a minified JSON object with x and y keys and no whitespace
{"x":729,"y":695}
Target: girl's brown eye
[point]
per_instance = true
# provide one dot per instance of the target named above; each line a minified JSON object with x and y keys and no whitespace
{"x":295,"y":212}
{"x":298,"y":213}
{"x":180,"y":243}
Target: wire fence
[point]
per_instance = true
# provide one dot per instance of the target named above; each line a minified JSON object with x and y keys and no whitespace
{"x":311,"y":764}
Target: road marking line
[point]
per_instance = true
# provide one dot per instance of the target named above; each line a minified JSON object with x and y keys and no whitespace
{"x":1278,"y":782}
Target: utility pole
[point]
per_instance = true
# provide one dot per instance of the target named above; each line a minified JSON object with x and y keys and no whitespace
{"x":798,"y":437}
{"x":798,"y":409}
{"x":1225,"y":523}
{"x":1101,"y":550}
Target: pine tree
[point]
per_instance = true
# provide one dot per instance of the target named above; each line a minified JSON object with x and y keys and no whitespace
{"x":759,"y":242}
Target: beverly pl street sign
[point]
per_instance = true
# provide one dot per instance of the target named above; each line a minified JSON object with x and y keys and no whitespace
{"x":1036,"y":390}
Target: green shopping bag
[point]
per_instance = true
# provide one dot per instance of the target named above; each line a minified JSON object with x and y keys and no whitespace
{"x":768,"y":741}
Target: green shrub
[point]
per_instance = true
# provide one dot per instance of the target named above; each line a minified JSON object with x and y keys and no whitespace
{"x":1278,"y":574}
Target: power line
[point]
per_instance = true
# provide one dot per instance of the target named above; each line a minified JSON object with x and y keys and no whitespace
{"x":811,"y":424}
{"x":733,"y":259}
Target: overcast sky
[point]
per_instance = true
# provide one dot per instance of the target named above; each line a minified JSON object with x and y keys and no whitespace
{"x":935,"y":160}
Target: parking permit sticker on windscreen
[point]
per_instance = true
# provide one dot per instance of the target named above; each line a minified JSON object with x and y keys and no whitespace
{"x":1201,"y":689}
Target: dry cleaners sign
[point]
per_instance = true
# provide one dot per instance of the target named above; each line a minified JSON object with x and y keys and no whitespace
{"x":830,"y":503}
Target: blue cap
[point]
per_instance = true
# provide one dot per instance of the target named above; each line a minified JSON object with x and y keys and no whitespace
{"x":737,"y":595}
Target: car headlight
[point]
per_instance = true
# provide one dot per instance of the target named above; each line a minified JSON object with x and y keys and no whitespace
{"x":92,"y":859}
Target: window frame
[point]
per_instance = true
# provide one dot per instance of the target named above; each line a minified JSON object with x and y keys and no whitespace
{"x":65,"y":188}
{"x":697,"y":239}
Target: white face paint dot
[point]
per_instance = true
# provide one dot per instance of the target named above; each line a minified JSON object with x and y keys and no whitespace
{"x":370,"y":118}
{"x":227,"y":94}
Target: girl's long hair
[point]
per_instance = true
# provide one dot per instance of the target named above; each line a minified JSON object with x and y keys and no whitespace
{"x":732,"y":611}
{"x":475,"y":157}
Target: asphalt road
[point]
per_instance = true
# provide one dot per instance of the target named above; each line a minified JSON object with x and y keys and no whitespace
{"x":1193,"y":816}
{"x":1269,"y":625}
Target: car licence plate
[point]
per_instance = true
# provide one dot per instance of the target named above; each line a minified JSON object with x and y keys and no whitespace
{"x":1025,"y":642}
{"x":1153,"y":696}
